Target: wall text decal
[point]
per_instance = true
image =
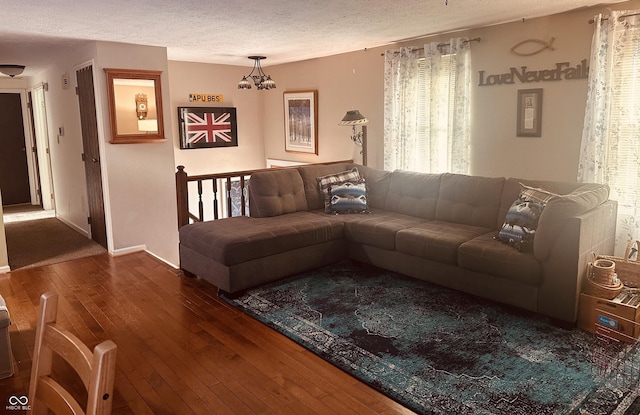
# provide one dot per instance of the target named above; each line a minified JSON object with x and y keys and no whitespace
{"x":562,"y":70}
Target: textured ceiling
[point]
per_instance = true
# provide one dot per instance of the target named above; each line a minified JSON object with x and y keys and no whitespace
{"x":227,"y":31}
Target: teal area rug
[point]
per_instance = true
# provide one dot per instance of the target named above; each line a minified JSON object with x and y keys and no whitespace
{"x":436,"y":350}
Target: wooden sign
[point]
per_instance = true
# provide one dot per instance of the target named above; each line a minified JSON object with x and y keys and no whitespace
{"x":211,"y":98}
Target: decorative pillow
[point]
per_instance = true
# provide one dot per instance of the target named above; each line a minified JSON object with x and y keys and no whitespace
{"x":325,"y":182}
{"x":520,"y":224}
{"x":534,"y":194}
{"x":521,"y":221}
{"x":349,"y":197}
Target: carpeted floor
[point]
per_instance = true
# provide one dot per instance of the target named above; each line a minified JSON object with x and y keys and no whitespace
{"x":439,"y":351}
{"x":46,"y":241}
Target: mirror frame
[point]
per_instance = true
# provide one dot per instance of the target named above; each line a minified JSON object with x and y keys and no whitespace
{"x":147,"y":75}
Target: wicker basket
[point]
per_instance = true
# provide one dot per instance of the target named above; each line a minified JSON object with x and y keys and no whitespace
{"x":628,"y":270}
{"x":608,"y":292}
{"x":602,"y":280}
{"x":603,"y":272}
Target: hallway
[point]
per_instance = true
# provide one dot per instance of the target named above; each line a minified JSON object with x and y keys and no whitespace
{"x":36,"y":237}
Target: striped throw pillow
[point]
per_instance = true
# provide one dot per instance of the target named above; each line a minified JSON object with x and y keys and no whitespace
{"x":325,"y":183}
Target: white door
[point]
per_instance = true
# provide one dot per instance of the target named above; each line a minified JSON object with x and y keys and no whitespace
{"x":42,"y":145}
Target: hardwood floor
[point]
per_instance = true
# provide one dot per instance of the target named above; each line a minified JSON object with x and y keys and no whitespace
{"x":181,"y":350}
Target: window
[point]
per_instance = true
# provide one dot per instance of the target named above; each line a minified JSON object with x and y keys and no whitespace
{"x":610,"y":151}
{"x":427,"y":108}
{"x":434,"y":131}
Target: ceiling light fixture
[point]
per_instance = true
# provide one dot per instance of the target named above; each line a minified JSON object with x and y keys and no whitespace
{"x":11,"y":70}
{"x":260,"y":79}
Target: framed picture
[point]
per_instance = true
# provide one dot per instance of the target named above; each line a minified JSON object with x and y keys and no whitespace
{"x":529,"y":113}
{"x":206,"y":127}
{"x":301,"y":121}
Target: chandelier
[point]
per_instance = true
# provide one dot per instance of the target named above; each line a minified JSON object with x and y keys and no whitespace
{"x":261,"y":80}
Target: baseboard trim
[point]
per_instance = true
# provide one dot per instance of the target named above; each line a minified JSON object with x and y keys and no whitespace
{"x":5,"y":269}
{"x":128,"y":250}
{"x":140,"y":248}
{"x":74,"y":226}
{"x":163,"y":260}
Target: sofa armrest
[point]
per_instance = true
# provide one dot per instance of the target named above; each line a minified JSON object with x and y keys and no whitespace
{"x":562,"y":208}
{"x":565,"y":265}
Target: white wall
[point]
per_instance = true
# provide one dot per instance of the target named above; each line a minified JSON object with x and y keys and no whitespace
{"x":186,"y":78}
{"x":140,"y":178}
{"x":66,"y":150}
{"x":11,"y":83}
{"x":344,"y":82}
{"x":496,"y":151}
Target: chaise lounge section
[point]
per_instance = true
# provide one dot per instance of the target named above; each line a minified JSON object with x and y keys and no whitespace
{"x":440,"y":228}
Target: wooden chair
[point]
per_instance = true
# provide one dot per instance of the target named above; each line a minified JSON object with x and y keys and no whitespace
{"x":96,"y":369}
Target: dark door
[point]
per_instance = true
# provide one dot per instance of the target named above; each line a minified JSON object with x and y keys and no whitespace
{"x":87,"y":101}
{"x":14,"y":173}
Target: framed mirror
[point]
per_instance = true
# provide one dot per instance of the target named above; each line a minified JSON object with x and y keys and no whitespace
{"x":135,"y":106}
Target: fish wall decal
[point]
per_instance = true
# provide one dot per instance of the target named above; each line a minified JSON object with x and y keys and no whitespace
{"x":543,"y":45}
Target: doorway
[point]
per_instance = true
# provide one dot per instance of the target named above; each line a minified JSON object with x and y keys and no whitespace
{"x":91,"y":156}
{"x":36,"y":237}
{"x":14,"y":170}
{"x":41,"y":150}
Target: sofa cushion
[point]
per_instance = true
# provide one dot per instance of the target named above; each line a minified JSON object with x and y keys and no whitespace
{"x":276,"y":192}
{"x":436,"y":240}
{"x":469,"y":200}
{"x":239,"y":239}
{"x":377,"y":185}
{"x":378,"y":229}
{"x":348,"y":197}
{"x":325,"y":183}
{"x":309,"y":174}
{"x":414,"y":194}
{"x":487,"y":256}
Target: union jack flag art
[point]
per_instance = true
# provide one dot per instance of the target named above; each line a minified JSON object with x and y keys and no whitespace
{"x":207,"y":127}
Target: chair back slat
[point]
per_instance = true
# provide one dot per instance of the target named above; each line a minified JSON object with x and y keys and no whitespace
{"x":71,"y":349}
{"x":57,"y":398}
{"x":96,"y":369}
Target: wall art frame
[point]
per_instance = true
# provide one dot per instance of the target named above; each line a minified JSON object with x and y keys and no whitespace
{"x":134,"y":119}
{"x":301,"y":121}
{"x":529,"y":122}
{"x":207,"y":127}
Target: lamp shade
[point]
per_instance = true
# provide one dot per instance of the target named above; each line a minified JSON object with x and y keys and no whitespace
{"x":353,"y":117}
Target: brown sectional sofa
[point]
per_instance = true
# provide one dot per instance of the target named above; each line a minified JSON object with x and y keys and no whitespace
{"x":436,"y":227}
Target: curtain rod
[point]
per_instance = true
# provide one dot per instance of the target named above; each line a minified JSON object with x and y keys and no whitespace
{"x":475,"y":39}
{"x":621,"y":17}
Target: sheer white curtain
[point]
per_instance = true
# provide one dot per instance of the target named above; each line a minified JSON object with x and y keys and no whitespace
{"x":610,"y":150}
{"x":427,"y":108}
{"x":401,"y":82}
